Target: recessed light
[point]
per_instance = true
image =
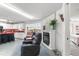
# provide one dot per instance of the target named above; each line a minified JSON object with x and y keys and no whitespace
{"x":3,"y":20}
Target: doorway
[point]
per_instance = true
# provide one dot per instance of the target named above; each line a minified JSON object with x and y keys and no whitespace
{"x":74,"y":29}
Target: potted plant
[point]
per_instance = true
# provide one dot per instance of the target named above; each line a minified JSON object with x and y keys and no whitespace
{"x":53,"y":24}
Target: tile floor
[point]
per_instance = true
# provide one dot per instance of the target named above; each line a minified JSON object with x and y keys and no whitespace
{"x":74,"y":50}
{"x":13,"y":49}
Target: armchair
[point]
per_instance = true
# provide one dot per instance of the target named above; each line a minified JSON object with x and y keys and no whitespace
{"x":29,"y":48}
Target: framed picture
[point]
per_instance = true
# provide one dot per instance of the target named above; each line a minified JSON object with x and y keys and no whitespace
{"x":62,"y":18}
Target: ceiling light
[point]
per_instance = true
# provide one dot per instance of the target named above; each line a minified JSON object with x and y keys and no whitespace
{"x":3,"y":20}
{"x":13,"y":8}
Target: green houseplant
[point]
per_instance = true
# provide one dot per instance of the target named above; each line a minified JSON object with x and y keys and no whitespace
{"x":53,"y":24}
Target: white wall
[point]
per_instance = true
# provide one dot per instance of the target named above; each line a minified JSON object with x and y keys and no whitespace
{"x":5,"y":25}
{"x":12,"y":26}
{"x":33,"y":26}
{"x":59,"y":29}
{"x":62,"y":33}
{"x":46,"y":22}
{"x":18,"y":26}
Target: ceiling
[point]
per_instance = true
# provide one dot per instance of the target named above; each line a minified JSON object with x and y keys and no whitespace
{"x":38,"y":10}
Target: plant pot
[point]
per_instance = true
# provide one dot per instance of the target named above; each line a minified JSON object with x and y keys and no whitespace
{"x":54,"y":27}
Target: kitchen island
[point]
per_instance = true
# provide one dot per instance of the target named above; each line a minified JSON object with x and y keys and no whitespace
{"x":6,"y":37}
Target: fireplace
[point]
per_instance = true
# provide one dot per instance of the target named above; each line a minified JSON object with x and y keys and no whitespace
{"x":46,"y":38}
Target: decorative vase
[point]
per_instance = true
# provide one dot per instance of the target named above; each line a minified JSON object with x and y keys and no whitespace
{"x":54,"y":27}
